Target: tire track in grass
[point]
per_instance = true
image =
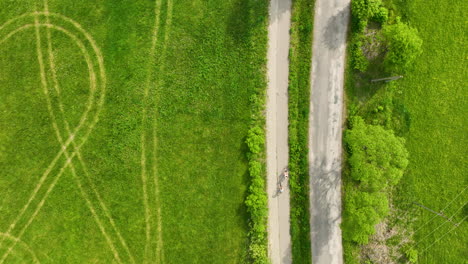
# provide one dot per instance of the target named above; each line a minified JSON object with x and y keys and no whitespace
{"x":84,"y":116}
{"x":144,"y":176}
{"x":71,"y":138}
{"x":68,"y":157}
{"x":160,"y":245}
{"x":25,"y":246}
{"x":52,"y":164}
{"x":80,"y":159}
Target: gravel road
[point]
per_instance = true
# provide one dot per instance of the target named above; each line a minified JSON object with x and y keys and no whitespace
{"x":325,"y":129}
{"x":279,"y":246}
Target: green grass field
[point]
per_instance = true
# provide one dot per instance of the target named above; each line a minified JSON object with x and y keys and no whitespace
{"x":436,"y":96}
{"x":430,"y":107}
{"x":123,"y":128}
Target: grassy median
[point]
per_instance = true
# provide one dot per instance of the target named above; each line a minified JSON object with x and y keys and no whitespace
{"x":299,"y":93}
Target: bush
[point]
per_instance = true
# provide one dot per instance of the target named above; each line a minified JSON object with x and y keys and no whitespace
{"x":412,"y":255}
{"x":257,"y":199}
{"x":377,"y":157}
{"x":363,"y":211}
{"x":381,"y":16}
{"x":403,"y":44}
{"x":364,"y":10}
{"x":358,"y":60}
{"x":256,"y":139}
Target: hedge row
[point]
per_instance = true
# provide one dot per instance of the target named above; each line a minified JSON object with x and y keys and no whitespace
{"x":256,"y":201}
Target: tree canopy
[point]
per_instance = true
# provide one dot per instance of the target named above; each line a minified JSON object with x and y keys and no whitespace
{"x":378,"y":158}
{"x":404,"y":45}
{"x":365,"y":10}
{"x":363,"y":211}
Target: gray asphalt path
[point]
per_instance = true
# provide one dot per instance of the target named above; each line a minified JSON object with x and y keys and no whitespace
{"x":325,"y":129}
{"x":279,"y":246}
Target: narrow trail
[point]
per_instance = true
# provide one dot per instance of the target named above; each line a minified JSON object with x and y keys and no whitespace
{"x":325,"y":129}
{"x":279,"y":239}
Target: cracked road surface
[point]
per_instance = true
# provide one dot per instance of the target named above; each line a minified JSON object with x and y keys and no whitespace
{"x":325,"y":129}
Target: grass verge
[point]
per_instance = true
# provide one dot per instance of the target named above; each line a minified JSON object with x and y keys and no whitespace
{"x":257,"y":199}
{"x":299,"y":93}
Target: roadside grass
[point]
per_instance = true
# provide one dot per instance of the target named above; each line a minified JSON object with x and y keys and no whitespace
{"x":299,"y":93}
{"x":199,"y":99}
{"x":428,"y":107}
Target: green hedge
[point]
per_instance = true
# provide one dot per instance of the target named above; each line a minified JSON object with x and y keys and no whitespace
{"x":257,"y":199}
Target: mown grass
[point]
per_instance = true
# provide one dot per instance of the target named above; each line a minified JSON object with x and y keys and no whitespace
{"x":299,"y":94}
{"x":428,"y":107}
{"x":215,"y":60}
{"x":436,"y":98}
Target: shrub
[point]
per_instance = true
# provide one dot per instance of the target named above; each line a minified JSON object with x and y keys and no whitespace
{"x":412,"y":255}
{"x":403,"y":44}
{"x":381,"y":16}
{"x":363,"y":211}
{"x":257,"y":199}
{"x":364,"y":10}
{"x":256,"y":139}
{"x":358,"y":60}
{"x":377,"y":157}
{"x":258,"y":252}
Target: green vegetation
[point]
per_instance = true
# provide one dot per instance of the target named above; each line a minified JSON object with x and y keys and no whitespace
{"x":428,"y":109}
{"x":257,"y":199}
{"x":364,"y":11}
{"x":299,"y":94}
{"x":392,"y":39}
{"x":404,"y":46}
{"x":209,"y":61}
{"x":377,"y":160}
{"x":363,"y":211}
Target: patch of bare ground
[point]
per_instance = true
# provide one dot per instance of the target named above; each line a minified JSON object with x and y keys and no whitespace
{"x":390,"y":240}
{"x":373,"y":45}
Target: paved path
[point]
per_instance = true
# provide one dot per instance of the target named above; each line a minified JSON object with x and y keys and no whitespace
{"x":279,"y":246}
{"x":330,"y":26}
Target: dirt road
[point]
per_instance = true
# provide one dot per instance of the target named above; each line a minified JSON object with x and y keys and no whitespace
{"x":279,"y":247}
{"x":325,"y":129}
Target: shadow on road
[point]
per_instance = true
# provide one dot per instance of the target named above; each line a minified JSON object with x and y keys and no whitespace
{"x":324,"y":180}
{"x":334,"y":30}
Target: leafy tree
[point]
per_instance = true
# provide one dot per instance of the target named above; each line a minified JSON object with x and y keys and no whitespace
{"x":378,"y":158}
{"x":403,"y":44}
{"x":363,"y":211}
{"x":364,"y":10}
